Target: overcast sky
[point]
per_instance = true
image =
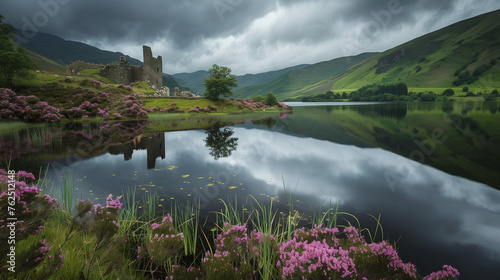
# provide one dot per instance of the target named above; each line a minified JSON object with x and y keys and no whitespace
{"x":249,"y":36}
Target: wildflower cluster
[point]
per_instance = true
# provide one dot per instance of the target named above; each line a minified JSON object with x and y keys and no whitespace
{"x":102,"y":219}
{"x":28,"y":108}
{"x":132,"y":107}
{"x":448,"y":273}
{"x":207,"y":109}
{"x":229,"y":261}
{"x":282,"y":105}
{"x":164,"y":242}
{"x":249,"y":104}
{"x":87,"y":103}
{"x":319,"y":253}
{"x":31,"y":210}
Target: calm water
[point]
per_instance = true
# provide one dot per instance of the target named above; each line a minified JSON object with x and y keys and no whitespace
{"x":429,"y":170}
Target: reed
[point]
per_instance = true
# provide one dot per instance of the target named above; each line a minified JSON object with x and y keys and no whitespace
{"x":186,"y":220}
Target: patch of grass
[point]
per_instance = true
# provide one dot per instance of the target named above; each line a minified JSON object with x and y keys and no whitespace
{"x":96,"y":73}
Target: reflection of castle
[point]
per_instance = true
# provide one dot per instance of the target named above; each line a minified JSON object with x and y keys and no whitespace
{"x":123,"y":73}
{"x":153,"y":144}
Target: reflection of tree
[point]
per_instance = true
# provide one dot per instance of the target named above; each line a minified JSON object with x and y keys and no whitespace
{"x":220,"y":142}
{"x":269,"y":122}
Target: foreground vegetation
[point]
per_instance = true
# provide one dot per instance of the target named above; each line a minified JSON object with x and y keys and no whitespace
{"x":112,"y":241}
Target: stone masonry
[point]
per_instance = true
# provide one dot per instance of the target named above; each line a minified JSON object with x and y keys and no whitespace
{"x":123,"y":73}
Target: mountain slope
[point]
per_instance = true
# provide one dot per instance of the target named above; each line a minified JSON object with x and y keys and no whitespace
{"x":436,"y":59}
{"x":67,"y":52}
{"x":306,"y":81}
{"x":46,"y":64}
{"x":195,"y":80}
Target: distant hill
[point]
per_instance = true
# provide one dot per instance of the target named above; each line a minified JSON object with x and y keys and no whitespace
{"x":195,"y":80}
{"x":53,"y":53}
{"x":310,"y":80}
{"x":462,"y":54}
{"x":67,"y":52}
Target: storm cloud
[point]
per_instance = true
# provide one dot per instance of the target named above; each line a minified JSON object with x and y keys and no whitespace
{"x":250,"y":36}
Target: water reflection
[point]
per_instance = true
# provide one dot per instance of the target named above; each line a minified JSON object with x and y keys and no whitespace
{"x":154,"y":144}
{"x":220,"y":142}
{"x":438,"y":218}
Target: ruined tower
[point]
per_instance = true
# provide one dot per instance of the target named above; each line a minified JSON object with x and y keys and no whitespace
{"x":153,"y":69}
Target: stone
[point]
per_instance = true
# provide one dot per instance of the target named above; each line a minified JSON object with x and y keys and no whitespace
{"x":123,"y":73}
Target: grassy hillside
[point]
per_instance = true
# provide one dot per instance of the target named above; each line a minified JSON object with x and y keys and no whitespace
{"x":437,"y":59}
{"x":195,"y":80}
{"x":46,"y":64}
{"x":66,"y":52}
{"x":310,"y":80}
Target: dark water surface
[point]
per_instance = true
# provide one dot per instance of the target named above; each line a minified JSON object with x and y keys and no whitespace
{"x":430,"y":170}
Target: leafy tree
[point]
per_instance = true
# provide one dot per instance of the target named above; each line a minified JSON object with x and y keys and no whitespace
{"x":220,"y":82}
{"x":465,"y":89}
{"x":13,"y":59}
{"x":448,"y":92}
{"x":271,"y":99}
{"x":428,"y":97}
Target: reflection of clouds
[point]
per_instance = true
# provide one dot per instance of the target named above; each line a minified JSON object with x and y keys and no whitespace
{"x":426,"y":207}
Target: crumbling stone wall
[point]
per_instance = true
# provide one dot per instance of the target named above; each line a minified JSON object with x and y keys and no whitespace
{"x":77,"y":66}
{"x":120,"y":73}
{"x":123,"y":73}
{"x":153,"y":68}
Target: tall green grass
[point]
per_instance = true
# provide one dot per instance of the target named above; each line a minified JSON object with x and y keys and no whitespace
{"x":187,"y":220}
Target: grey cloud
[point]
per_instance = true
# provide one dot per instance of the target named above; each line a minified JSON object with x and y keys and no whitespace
{"x":252,"y":35}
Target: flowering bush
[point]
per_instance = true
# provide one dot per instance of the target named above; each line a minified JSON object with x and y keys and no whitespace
{"x":132,"y":107}
{"x":164,"y":242}
{"x":448,"y":273}
{"x":229,"y":259}
{"x":319,"y":254}
{"x":31,"y":210}
{"x":30,"y":108}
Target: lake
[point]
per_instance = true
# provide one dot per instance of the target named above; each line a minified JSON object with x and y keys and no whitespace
{"x":430,"y":170}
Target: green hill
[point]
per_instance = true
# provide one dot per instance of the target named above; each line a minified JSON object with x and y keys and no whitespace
{"x":46,"y":64}
{"x":195,"y":80}
{"x":66,"y":52}
{"x":462,"y":54}
{"x":307,"y":81}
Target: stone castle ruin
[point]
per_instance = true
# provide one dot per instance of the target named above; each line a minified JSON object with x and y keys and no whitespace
{"x":123,"y":73}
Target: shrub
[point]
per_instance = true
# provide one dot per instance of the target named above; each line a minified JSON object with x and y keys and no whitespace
{"x":28,"y":108}
{"x":448,"y":92}
{"x":271,"y":99}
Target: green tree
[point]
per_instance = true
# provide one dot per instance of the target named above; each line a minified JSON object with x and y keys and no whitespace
{"x":448,"y":92}
{"x":14,"y":62}
{"x":220,"y":82}
{"x":271,"y":99}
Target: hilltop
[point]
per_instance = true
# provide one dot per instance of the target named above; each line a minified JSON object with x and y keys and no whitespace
{"x":461,"y":54}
